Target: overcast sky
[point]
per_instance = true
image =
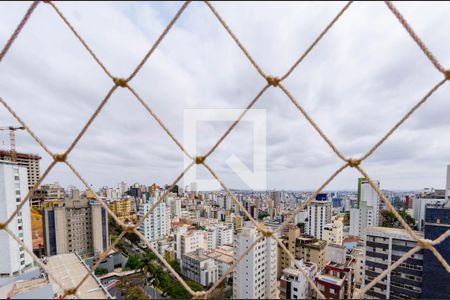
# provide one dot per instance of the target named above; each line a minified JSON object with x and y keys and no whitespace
{"x":359,"y":80}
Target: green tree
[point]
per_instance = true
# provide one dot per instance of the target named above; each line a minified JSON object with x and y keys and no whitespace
{"x":263,"y":214}
{"x":175,"y":264}
{"x":101,"y":271}
{"x":389,"y":220}
{"x":133,"y":262}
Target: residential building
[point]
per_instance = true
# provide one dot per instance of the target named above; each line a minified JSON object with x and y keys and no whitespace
{"x":157,"y":224}
{"x":383,"y":247}
{"x":219,"y":235}
{"x":368,"y":213}
{"x":333,"y":232}
{"x":255,"y":276}
{"x":199,"y":267}
{"x":311,"y":250}
{"x":13,"y":187}
{"x":79,"y":225}
{"x":435,"y":279}
{"x":122,"y":209}
{"x":47,"y":192}
{"x":29,"y":161}
{"x":336,"y":280}
{"x":319,"y":214}
{"x":305,"y":247}
{"x":192,"y":240}
{"x":421,"y":202}
{"x":293,"y":284}
{"x":223,"y":257}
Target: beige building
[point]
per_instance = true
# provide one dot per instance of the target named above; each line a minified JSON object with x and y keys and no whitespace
{"x":79,"y":225}
{"x":29,"y":161}
{"x":122,"y":209}
{"x":193,"y":240}
{"x":333,"y":232}
{"x":47,"y":192}
{"x":302,"y":247}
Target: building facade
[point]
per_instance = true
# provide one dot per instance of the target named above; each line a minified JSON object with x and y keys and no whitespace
{"x":256,"y":275}
{"x":319,"y":214}
{"x":29,"y":161}
{"x":80,"y":225}
{"x":157,"y":224}
{"x":13,"y":187}
{"x":293,"y":285}
{"x":199,"y":267}
{"x":383,"y":247}
{"x":436,"y":280}
{"x":333,"y":232}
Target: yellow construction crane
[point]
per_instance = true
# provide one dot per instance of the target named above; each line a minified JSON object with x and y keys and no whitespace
{"x":12,"y":139}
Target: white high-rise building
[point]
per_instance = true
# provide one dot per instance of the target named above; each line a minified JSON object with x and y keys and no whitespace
{"x":370,"y":201}
{"x":175,"y":207}
{"x":354,"y":221}
{"x":319,"y":214}
{"x":13,"y":187}
{"x":157,"y":224}
{"x":255,"y":277}
{"x":219,"y":235}
{"x":368,"y":208}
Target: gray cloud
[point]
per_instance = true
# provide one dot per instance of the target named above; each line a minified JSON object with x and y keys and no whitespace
{"x":359,"y":80}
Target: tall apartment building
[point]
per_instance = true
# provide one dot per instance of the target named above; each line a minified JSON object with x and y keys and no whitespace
{"x":255,"y":277}
{"x":79,"y":225}
{"x":368,"y":210}
{"x":29,"y":161}
{"x":157,"y":225}
{"x":436,"y":280}
{"x":13,"y":187}
{"x":383,"y":247}
{"x":319,"y":214}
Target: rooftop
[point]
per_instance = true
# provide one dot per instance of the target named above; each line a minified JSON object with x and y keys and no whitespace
{"x":399,"y":232}
{"x":69,"y":269}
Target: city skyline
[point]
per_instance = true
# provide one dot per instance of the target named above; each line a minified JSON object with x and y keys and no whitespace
{"x":125,"y":144}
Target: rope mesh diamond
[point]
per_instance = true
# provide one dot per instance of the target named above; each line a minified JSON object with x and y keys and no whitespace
{"x":275,"y":82}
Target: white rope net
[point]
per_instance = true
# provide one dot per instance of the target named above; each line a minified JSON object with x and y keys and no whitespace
{"x":272,"y":81}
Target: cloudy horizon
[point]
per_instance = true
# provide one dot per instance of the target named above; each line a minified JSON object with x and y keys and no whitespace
{"x":359,"y":80}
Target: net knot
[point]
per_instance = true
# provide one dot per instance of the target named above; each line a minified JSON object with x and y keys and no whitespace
{"x":273,"y":81}
{"x":267,"y":233}
{"x":199,"y":159}
{"x":352,"y":162}
{"x":69,"y":292}
{"x":447,"y":74}
{"x":60,"y":157}
{"x":128,"y":228}
{"x":425,"y":243}
{"x":120,"y":82}
{"x":2,"y":226}
{"x":199,"y":295}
